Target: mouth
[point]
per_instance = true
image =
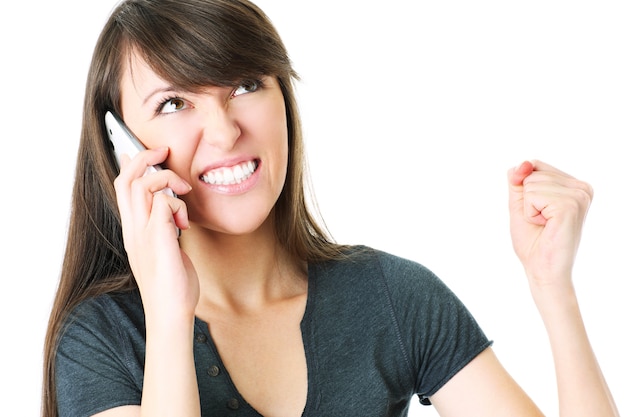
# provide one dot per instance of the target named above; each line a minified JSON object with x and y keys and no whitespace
{"x":235,"y":174}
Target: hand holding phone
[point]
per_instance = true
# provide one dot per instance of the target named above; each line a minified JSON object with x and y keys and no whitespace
{"x":124,"y":142}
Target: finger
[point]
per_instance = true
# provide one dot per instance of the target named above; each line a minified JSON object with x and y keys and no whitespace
{"x":137,"y":167}
{"x":135,"y":199}
{"x":533,"y":208}
{"x":135,"y":189}
{"x":516,"y":177}
{"x":169,"y":212}
{"x":158,"y":181}
{"x":555,"y":194}
{"x":521,"y":206}
{"x":547,"y":197}
{"x":131,"y":169}
{"x":540,"y":166}
{"x":144,"y":190}
{"x":518,"y":174}
{"x":549,"y":180}
{"x":539,"y":177}
{"x":124,"y":160}
{"x":545,"y":173}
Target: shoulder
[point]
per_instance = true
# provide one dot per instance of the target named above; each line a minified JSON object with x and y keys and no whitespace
{"x":106,"y":310}
{"x":371,"y":278}
{"x":106,"y":321}
{"x":364,"y":263}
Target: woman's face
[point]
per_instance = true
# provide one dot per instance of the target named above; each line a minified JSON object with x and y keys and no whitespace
{"x":230,"y":144}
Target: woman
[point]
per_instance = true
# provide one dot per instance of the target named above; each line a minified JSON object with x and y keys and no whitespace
{"x":253,"y":310}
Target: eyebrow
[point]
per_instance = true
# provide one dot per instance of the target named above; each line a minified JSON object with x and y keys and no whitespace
{"x":166,"y":89}
{"x":163,"y":89}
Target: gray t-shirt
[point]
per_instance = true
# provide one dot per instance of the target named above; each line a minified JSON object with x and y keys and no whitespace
{"x":377,"y":330}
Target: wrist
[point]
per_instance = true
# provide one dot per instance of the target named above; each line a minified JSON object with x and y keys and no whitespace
{"x":550,"y":284}
{"x":169,"y":324}
{"x":556,"y":300}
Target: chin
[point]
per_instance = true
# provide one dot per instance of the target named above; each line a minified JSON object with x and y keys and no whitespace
{"x":240,"y":225}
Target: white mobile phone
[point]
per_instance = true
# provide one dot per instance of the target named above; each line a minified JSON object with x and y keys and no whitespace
{"x":124,"y":142}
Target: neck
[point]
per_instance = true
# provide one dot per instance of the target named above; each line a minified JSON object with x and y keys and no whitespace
{"x":242,"y":272}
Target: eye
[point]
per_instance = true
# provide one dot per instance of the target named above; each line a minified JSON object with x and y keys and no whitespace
{"x":247,"y":86}
{"x":172,"y":105}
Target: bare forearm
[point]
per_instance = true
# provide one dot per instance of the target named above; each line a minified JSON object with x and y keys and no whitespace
{"x":582,"y":389}
{"x":170,"y":384}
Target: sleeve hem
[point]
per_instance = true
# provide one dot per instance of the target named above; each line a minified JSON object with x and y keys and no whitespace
{"x":119,"y":403}
{"x":424,"y":398}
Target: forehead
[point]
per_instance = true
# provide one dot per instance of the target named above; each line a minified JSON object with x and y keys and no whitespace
{"x":138,"y":82}
{"x":136,"y":73}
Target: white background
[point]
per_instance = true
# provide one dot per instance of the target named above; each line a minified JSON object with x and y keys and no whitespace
{"x":413,"y":112}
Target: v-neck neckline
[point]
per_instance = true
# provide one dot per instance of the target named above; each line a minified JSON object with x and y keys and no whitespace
{"x":306,"y":332}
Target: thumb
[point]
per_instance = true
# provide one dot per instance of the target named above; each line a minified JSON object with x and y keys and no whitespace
{"x":519,"y":173}
{"x":516,"y":178}
{"x":522,"y":209}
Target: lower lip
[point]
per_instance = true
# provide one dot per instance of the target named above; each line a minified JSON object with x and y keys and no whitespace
{"x":237,"y":188}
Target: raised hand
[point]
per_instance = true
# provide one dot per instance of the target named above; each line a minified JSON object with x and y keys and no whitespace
{"x":547,"y":211}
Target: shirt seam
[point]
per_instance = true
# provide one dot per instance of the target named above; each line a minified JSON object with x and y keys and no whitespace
{"x":396,"y":325}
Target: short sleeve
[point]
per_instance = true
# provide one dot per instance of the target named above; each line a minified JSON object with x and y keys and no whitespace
{"x":96,"y":367}
{"x":441,"y":336}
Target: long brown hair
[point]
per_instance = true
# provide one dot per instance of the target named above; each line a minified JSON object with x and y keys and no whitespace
{"x":190,"y":43}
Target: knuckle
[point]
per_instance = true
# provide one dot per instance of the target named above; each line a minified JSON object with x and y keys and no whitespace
{"x":118,"y":183}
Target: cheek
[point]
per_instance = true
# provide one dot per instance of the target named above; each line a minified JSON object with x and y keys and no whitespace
{"x":278,"y":131}
{"x":179,"y":139}
{"x":273,"y":121}
{"x":277,"y":140}
{"x":182,"y":151}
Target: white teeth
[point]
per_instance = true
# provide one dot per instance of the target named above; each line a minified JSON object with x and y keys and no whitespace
{"x":238,"y":173}
{"x":230,"y":175}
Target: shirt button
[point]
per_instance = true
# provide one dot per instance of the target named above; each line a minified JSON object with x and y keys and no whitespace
{"x":214,"y":370}
{"x":233,"y":404}
{"x":201,"y":338}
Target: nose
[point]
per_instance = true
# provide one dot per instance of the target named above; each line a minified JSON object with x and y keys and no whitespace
{"x":221,"y":130}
